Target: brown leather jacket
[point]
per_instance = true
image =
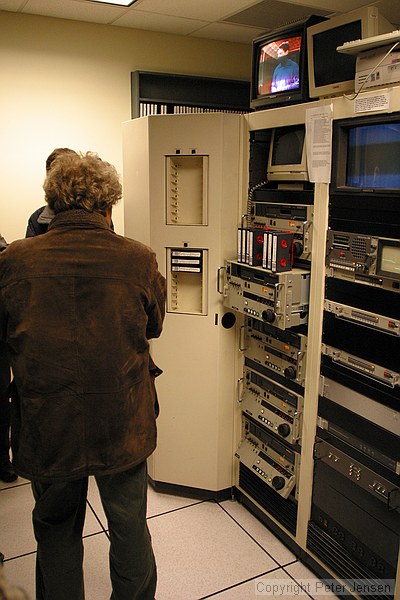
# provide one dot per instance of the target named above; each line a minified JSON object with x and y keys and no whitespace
{"x":77,"y":308}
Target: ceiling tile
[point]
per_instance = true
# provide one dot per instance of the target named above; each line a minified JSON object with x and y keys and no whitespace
{"x":155,"y":22}
{"x":231,"y":20}
{"x":228,"y":32}
{"x":271,"y":14}
{"x":206,"y":10}
{"x":13,"y":5}
{"x":76,"y":10}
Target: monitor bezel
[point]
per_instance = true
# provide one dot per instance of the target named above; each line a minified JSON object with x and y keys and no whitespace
{"x":372,"y":23}
{"x":285,"y":97}
{"x":288,"y":171}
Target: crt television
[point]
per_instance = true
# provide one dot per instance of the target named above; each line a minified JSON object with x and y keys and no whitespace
{"x":330,"y":72}
{"x":279,"y":66}
{"x":366,"y":155}
{"x":287,"y":155}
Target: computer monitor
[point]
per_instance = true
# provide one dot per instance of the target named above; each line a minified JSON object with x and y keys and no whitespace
{"x":287,"y":157}
{"x":330,"y":72}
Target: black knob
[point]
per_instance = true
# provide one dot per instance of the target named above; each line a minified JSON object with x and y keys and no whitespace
{"x":284,"y":429}
{"x":290,"y":372}
{"x":278,"y":482}
{"x":268,"y":315}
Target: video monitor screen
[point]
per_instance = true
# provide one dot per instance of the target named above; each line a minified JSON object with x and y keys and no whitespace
{"x":288,"y":146}
{"x":390,"y":259}
{"x":278,"y":68}
{"x":373,"y":156}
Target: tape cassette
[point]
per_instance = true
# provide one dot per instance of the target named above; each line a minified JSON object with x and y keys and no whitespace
{"x":278,"y":251}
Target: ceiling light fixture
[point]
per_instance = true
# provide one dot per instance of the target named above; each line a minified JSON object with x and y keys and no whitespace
{"x":115,"y":2}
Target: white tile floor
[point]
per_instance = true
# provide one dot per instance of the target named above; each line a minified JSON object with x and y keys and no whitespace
{"x":203,"y":549}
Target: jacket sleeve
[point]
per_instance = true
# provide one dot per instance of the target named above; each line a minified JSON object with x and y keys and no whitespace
{"x":156,"y":312}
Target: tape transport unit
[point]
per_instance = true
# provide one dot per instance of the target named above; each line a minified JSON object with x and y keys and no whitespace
{"x":283,"y":353}
{"x":280,"y":299}
{"x":275,"y":463}
{"x":274,"y":406}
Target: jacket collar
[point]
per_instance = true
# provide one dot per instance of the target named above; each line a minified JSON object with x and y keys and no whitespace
{"x":79,"y":219}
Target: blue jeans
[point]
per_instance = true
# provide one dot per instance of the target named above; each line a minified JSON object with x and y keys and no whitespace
{"x":58,"y":519}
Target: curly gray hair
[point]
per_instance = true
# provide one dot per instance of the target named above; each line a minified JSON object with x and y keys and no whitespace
{"x":82,"y":181}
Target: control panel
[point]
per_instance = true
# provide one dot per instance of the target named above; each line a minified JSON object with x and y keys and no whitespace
{"x":272,"y":462}
{"x":283,"y":352}
{"x":275,"y":407}
{"x":364,"y":259}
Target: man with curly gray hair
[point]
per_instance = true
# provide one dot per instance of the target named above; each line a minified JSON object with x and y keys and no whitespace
{"x":78,"y":306}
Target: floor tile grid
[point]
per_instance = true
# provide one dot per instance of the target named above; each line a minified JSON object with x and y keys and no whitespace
{"x":278,"y":567}
{"x":190,"y":503}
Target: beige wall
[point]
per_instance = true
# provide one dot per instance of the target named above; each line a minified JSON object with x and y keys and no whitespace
{"x":67,"y":83}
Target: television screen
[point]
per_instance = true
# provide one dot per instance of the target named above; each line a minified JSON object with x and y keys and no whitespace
{"x":279,"y":68}
{"x":279,"y":65}
{"x":373,"y":156}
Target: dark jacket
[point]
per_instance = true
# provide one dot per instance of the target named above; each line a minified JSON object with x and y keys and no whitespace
{"x":77,"y":307}
{"x":39,"y":221}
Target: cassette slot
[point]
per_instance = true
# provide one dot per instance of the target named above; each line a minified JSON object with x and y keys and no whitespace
{"x":286,"y":196}
{"x":288,"y":336}
{"x":269,"y":387}
{"x":281,"y":452}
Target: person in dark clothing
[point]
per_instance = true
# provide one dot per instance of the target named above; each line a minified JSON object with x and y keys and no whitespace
{"x":78,"y":307}
{"x":286,"y":73}
{"x":7,"y":473}
{"x":40,"y":220}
